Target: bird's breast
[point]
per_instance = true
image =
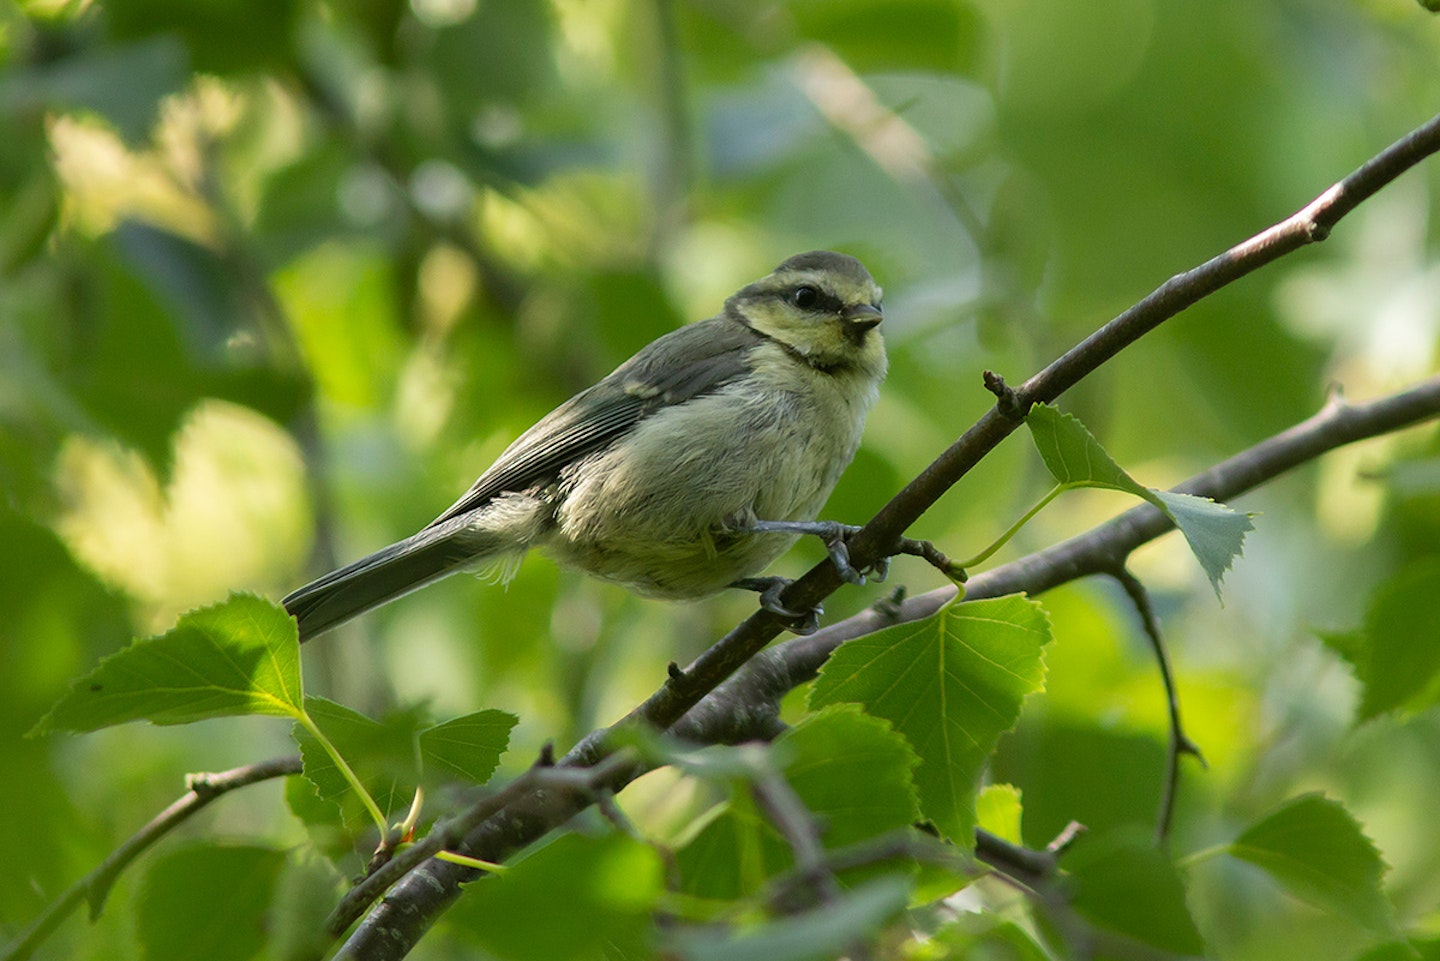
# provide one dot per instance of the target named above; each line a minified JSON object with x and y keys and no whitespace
{"x":657,"y":510}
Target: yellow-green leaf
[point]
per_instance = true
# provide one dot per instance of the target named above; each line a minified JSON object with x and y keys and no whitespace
{"x":237,"y":657}
{"x":951,"y":684}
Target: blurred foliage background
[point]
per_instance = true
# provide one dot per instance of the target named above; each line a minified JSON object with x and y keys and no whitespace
{"x":279,"y":278}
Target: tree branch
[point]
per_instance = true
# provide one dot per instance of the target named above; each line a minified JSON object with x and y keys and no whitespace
{"x":1180,"y":743}
{"x":542,"y":777}
{"x":393,"y":928}
{"x":1101,"y":549}
{"x":93,"y":887}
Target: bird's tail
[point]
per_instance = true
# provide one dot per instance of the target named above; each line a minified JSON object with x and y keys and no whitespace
{"x":371,"y":581}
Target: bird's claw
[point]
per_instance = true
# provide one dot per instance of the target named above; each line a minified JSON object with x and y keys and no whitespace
{"x":836,"y":537}
{"x":770,"y":589}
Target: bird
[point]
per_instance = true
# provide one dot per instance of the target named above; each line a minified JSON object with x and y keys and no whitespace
{"x":686,"y":471}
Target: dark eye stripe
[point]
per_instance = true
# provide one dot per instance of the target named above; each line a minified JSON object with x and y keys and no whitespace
{"x":816,"y":300}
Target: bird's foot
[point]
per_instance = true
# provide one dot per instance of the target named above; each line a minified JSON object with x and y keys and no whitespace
{"x":770,"y":589}
{"x":836,"y":537}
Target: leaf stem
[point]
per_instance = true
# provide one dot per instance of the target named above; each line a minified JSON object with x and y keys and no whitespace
{"x":1004,"y":538}
{"x":464,"y":860}
{"x":378,"y":816}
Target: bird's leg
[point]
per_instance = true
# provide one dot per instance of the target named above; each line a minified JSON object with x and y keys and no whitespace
{"x":836,"y":537}
{"x":837,"y":541}
{"x":799,"y":622}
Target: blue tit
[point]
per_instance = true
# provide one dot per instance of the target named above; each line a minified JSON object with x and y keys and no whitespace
{"x":687,"y":470}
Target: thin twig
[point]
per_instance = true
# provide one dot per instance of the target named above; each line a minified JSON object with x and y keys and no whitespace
{"x":95,"y":886}
{"x":1180,"y":743}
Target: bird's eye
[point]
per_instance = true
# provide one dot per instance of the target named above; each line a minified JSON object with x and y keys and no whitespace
{"x":805,"y":297}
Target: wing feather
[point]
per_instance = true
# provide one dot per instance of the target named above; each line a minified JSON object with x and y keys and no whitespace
{"x":696,"y":359}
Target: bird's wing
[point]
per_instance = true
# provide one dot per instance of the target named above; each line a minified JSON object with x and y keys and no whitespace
{"x":696,"y":359}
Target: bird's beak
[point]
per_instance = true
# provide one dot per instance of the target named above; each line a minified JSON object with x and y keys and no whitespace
{"x":862,"y":317}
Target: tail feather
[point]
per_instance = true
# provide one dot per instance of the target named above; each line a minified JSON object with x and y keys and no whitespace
{"x":371,"y":581}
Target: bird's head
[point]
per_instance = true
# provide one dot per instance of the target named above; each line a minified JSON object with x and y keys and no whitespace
{"x":820,"y":305}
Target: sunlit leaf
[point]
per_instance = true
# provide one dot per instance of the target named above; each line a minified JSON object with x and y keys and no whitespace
{"x":237,"y":657}
{"x":1318,"y":852}
{"x":952,"y":684}
{"x":997,"y":810}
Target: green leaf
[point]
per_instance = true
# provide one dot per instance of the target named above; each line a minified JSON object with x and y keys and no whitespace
{"x":1073,"y":455}
{"x":1077,"y":770}
{"x":822,"y":758}
{"x":998,"y":809}
{"x":952,"y":684}
{"x":1401,"y":663}
{"x":893,"y":35}
{"x":201,"y":903}
{"x":1317,"y":851}
{"x":467,"y":747}
{"x":576,"y":897}
{"x":382,"y":754}
{"x":324,"y":824}
{"x":1215,"y":533}
{"x":135,"y":376}
{"x":984,"y":936}
{"x":1427,"y":949}
{"x":307,"y":890}
{"x":1122,"y":881}
{"x":830,"y":752}
{"x":1353,"y":647}
{"x":727,"y":853}
{"x":55,"y":609}
{"x":336,"y":298}
{"x":821,"y":933}
{"x":237,"y":657}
